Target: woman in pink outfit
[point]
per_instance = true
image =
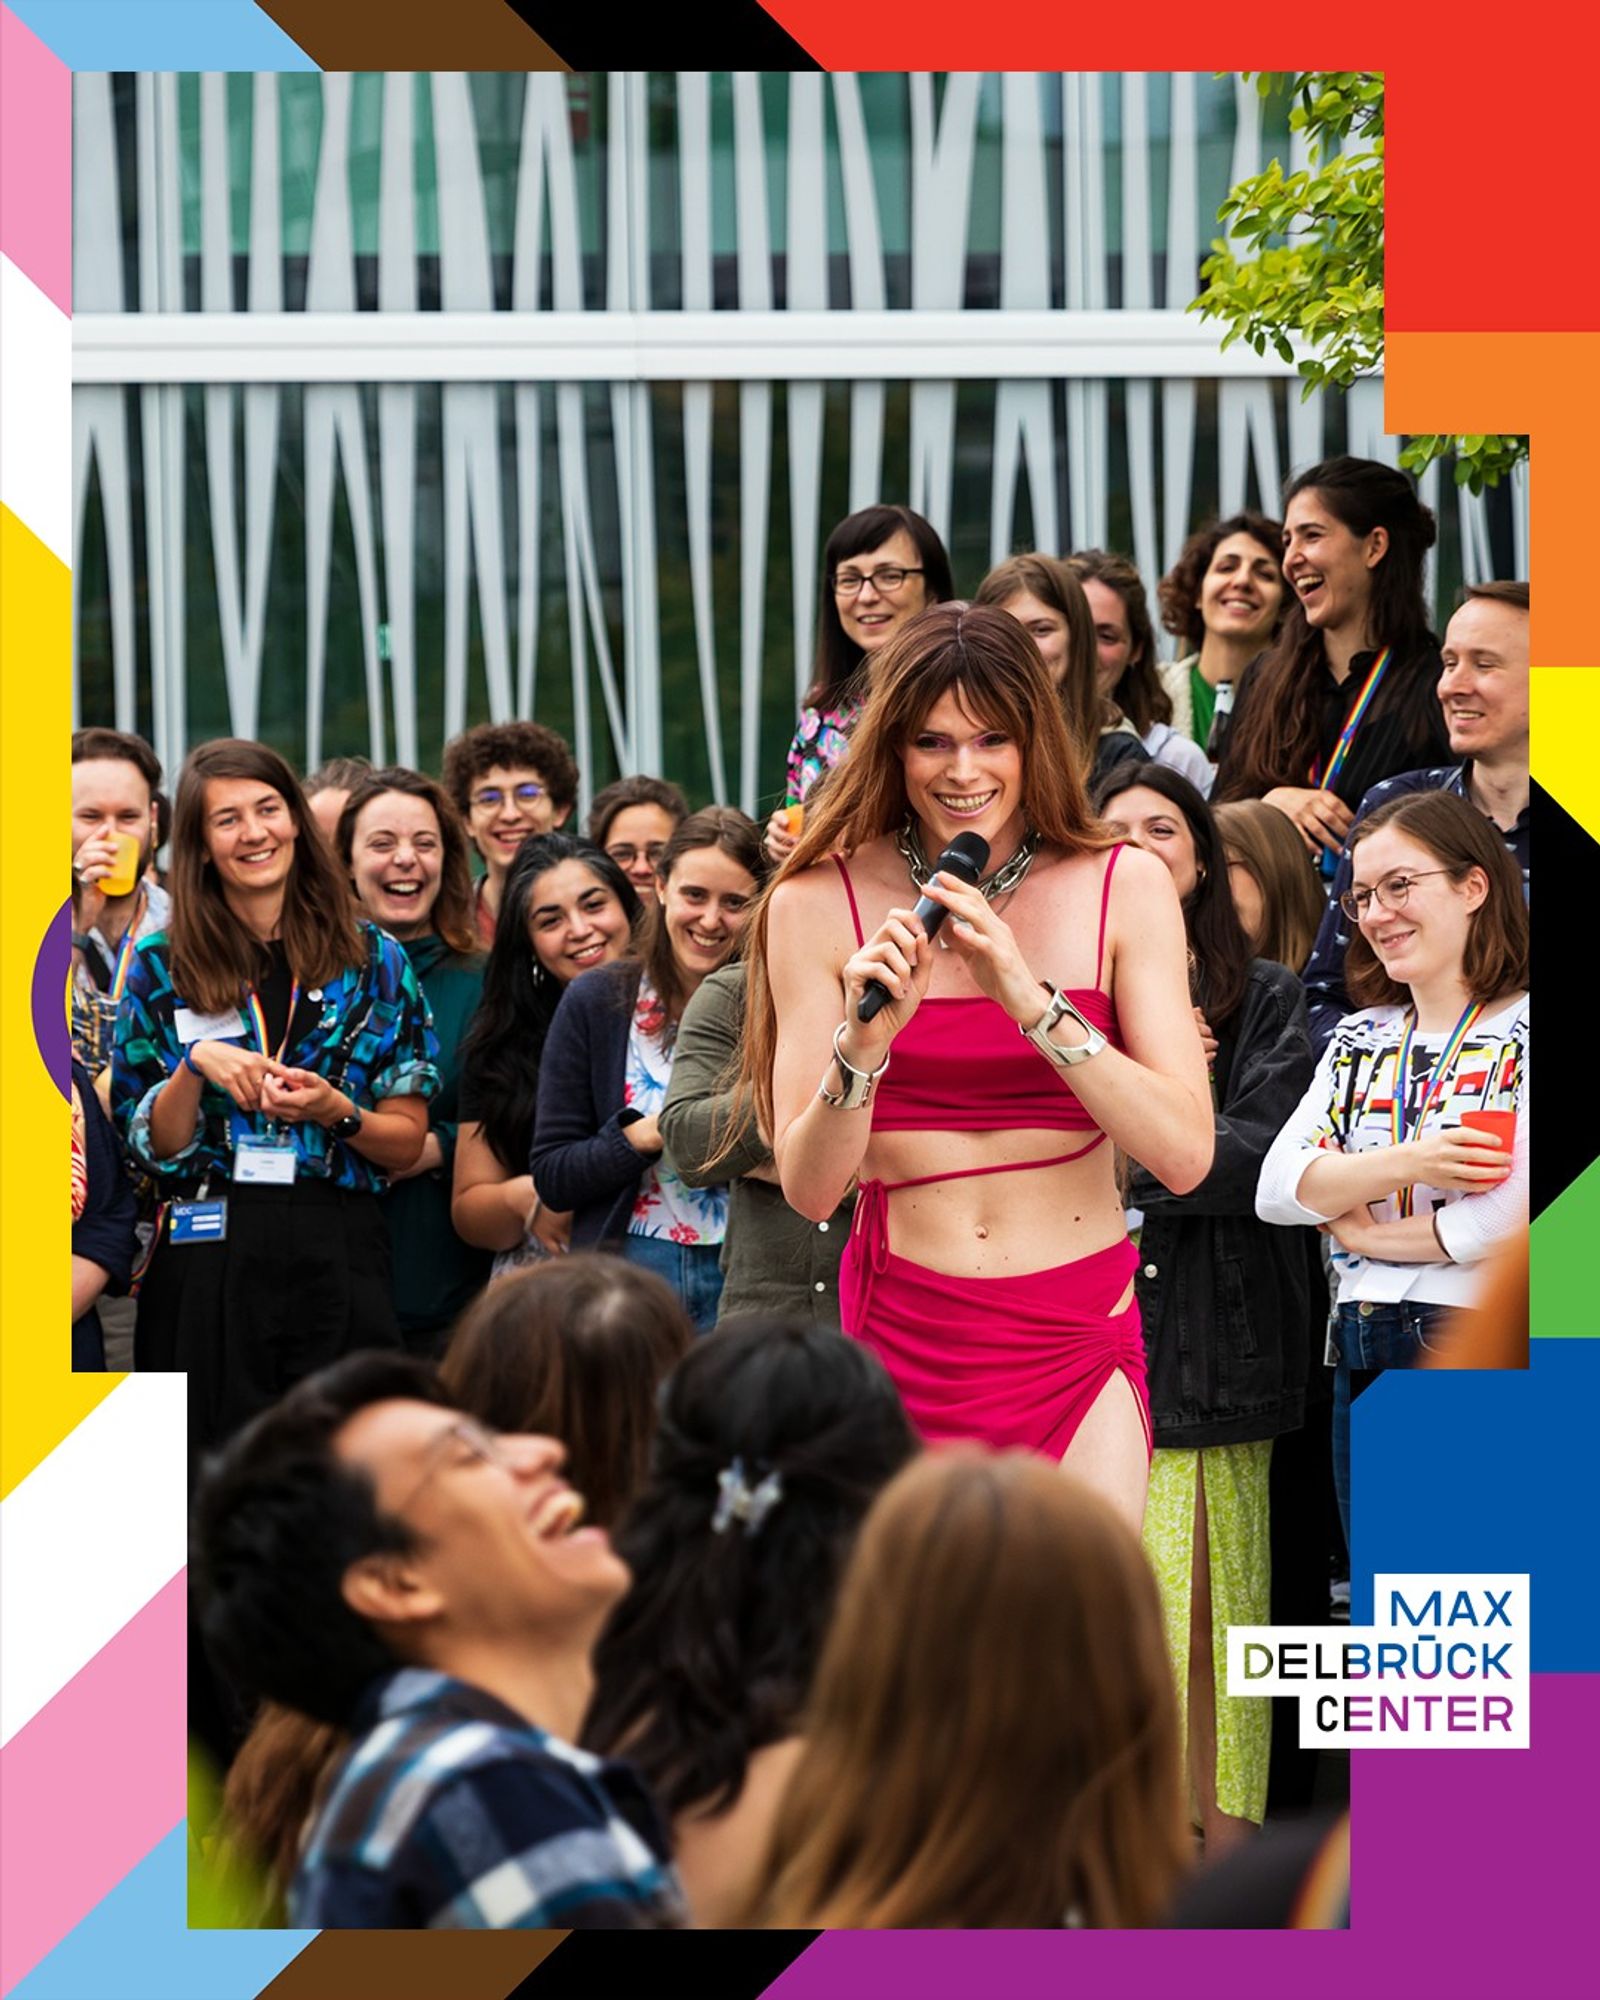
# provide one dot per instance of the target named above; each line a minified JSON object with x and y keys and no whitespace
{"x":988,"y":1266}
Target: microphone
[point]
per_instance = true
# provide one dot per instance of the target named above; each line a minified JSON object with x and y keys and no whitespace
{"x":966,"y":858}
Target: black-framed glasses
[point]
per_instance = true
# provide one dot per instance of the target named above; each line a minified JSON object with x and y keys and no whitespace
{"x":886,"y":581}
{"x":1391,"y":893}
{"x":491,"y":798}
{"x":625,"y":856}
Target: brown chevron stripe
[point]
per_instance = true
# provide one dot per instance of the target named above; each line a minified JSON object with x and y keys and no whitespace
{"x":412,"y":1965}
{"x":412,"y":34}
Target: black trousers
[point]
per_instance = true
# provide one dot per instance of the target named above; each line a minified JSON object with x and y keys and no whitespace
{"x":301,"y":1279}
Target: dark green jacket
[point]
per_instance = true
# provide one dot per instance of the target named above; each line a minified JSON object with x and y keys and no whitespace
{"x":435,"y":1273}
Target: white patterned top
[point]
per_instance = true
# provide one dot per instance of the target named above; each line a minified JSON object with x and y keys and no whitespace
{"x":1349,"y":1109}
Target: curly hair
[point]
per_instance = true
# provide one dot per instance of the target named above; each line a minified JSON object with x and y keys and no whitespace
{"x":1179,"y":589}
{"x":513,"y":746}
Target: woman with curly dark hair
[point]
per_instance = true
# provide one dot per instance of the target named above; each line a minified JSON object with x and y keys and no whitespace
{"x":773,"y":1440}
{"x":1349,"y":692}
{"x":1223,"y":599}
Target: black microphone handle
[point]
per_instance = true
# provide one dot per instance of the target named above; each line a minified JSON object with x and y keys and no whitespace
{"x":877,"y":996}
{"x":966,"y":858}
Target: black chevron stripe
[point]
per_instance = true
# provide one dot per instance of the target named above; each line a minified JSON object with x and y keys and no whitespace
{"x":737,"y":34}
{"x":1563,"y":1135}
{"x":638,"y":1965}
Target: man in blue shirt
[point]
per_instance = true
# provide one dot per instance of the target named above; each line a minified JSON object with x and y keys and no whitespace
{"x":369,"y":1555}
{"x":1484,"y":692}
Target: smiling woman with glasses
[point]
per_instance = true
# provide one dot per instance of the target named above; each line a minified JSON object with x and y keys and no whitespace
{"x":1411,"y":1146}
{"x":880,"y":568}
{"x":632,"y":820}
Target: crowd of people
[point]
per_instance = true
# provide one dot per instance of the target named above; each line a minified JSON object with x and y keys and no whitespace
{"x":723,"y":1392}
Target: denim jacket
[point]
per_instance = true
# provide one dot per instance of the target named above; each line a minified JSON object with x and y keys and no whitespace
{"x":1232,"y":1306}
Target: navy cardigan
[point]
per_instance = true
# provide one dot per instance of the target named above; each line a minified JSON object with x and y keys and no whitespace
{"x":581,"y":1159}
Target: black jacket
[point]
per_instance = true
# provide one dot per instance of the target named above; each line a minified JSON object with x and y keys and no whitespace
{"x":1230,"y":1304}
{"x":581,"y":1160}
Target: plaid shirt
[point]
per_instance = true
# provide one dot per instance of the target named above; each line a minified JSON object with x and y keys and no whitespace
{"x":371,"y":1035}
{"x":451,"y":1811}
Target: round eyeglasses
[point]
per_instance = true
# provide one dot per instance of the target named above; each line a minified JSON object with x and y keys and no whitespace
{"x":1391,"y":893}
{"x":491,"y":798}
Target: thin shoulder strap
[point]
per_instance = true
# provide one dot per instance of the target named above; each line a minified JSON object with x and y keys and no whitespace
{"x":1105,"y":904}
{"x":849,"y":889}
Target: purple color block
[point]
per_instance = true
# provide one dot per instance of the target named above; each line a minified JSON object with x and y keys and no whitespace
{"x":49,"y":1000}
{"x":1472,"y":1875}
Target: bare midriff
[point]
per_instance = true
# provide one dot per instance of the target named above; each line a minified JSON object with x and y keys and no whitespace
{"x":994,"y":1225}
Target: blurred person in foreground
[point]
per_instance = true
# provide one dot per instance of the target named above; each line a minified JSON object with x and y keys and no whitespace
{"x":369,"y":1555}
{"x":775,"y":1436}
{"x":575,"y":1348}
{"x":992,"y":1737}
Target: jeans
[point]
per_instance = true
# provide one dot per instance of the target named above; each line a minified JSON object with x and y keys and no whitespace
{"x":1369,"y":1339}
{"x":693,"y":1270}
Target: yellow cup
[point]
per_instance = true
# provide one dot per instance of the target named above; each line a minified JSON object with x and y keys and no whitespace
{"x":125,"y":870}
{"x":796,"y":817}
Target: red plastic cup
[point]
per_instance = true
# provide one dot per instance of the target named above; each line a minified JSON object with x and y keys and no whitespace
{"x":1500,"y":1125}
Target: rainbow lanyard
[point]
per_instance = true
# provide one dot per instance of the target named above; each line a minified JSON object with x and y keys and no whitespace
{"x":119,"y":978}
{"x":112,"y":995}
{"x":258,"y":1019}
{"x":1435,"y":1090}
{"x":1352,"y":722}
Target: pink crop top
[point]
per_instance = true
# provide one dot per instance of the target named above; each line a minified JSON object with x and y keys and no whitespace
{"x":959,"y":1065}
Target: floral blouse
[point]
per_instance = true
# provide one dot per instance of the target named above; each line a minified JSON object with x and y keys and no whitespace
{"x":820,"y":741}
{"x":664,"y":1205}
{"x":372,"y":1036}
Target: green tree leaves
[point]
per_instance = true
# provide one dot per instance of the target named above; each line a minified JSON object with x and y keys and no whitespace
{"x":1301,"y":269}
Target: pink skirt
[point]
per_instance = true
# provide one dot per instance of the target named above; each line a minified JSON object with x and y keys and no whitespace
{"x":1013,"y":1362}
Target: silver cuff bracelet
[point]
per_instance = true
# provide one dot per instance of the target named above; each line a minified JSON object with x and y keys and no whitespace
{"x":1062,"y":1009}
{"x":857,"y":1092}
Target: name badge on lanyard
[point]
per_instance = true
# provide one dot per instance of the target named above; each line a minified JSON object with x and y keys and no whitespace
{"x":197,"y":1221}
{"x":263,"y":1162}
{"x":269,"y":1159}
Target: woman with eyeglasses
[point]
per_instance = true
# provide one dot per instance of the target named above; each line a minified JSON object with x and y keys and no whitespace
{"x":632,"y":820}
{"x":566,"y":908}
{"x":880,"y":568}
{"x":1348,"y":692}
{"x":507,"y":780}
{"x":1411,"y":1146}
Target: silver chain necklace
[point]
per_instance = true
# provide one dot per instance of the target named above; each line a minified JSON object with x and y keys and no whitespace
{"x":909,"y":844}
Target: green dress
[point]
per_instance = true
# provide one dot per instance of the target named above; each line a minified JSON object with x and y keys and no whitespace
{"x":1237,"y":1523}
